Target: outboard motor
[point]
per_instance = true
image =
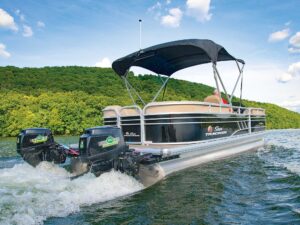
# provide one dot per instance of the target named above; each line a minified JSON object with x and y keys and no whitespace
{"x":37,"y":144}
{"x":102,"y":149}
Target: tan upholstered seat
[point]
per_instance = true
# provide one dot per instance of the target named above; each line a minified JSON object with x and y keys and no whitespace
{"x":184,"y":107}
{"x":111,"y":111}
{"x":212,"y":99}
{"x":259,"y":112}
{"x":175,"y":108}
{"x":129,"y":112}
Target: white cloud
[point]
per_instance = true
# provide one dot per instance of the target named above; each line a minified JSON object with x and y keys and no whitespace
{"x":156,"y":6}
{"x":294,"y":50}
{"x":7,"y":21}
{"x":155,"y":10}
{"x":293,"y":72}
{"x":3,"y":52}
{"x":295,"y":43}
{"x":295,"y":40}
{"x":173,"y":18}
{"x":40,"y":24}
{"x":279,"y":35}
{"x":291,"y":105}
{"x":285,"y":77}
{"x":22,"y":17}
{"x":27,"y":31}
{"x":199,"y":9}
{"x":168,"y":2}
{"x":104,"y":63}
{"x":294,"y":69}
{"x":288,"y":23}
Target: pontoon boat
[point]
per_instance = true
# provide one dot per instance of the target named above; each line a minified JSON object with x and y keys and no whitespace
{"x":163,"y":137}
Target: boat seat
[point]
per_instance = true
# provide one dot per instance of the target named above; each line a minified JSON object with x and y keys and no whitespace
{"x":129,"y":112}
{"x":183,"y":107}
{"x":255,"y":111}
{"x":226,"y":109}
{"x":212,"y":99}
{"x":216,"y":100}
{"x":111,"y":111}
{"x":178,"y":108}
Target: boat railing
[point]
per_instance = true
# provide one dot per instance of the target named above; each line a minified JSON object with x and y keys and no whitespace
{"x":198,"y":107}
{"x":111,"y":113}
{"x":174,"y":107}
{"x":133,"y":116}
{"x":134,"y":120}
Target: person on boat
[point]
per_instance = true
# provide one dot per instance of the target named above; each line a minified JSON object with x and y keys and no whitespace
{"x":217,"y":93}
{"x":216,"y":98}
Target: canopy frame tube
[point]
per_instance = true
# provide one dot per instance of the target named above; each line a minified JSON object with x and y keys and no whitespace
{"x":128,"y":90}
{"x":129,"y":87}
{"x":161,"y":88}
{"x":241,"y":70}
{"x":217,"y":78}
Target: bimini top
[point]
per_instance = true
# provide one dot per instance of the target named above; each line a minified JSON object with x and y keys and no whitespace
{"x":167,"y":58}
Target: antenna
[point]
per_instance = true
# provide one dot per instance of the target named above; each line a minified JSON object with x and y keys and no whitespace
{"x":140,"y":22}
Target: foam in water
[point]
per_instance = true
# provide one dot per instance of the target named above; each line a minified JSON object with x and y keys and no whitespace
{"x":31,"y":195}
{"x":287,"y":145}
{"x":294,"y":167}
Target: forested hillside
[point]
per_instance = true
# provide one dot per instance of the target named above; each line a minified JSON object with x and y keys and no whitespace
{"x":69,"y":99}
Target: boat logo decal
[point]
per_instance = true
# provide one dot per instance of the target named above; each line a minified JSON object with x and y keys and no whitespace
{"x":39,"y":139}
{"x":109,"y":141}
{"x":214,"y":131}
{"x":131,"y":134}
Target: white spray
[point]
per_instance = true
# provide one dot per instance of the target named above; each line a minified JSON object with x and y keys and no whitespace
{"x":31,"y":195}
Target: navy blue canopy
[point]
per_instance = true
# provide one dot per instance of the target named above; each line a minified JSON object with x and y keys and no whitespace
{"x":167,"y":58}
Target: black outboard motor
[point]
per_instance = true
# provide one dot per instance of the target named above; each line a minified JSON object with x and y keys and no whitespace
{"x":37,"y":144}
{"x":102,"y":149}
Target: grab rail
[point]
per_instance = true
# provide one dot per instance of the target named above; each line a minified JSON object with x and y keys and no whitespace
{"x":247,"y":112}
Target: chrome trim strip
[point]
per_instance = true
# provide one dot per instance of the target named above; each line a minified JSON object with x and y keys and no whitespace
{"x":149,"y":120}
{"x":259,"y":127}
{"x":233,"y":134}
{"x":206,"y":141}
{"x":130,"y":120}
{"x":175,"y":113}
{"x":192,"y":122}
{"x":177,"y":118}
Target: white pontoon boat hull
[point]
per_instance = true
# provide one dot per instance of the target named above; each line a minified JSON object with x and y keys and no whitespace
{"x":196,"y":154}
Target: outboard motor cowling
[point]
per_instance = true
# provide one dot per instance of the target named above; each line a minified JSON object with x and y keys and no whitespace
{"x":37,"y":144}
{"x":100,"y":149}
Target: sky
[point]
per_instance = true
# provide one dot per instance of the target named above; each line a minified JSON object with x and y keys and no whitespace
{"x":265,"y":34}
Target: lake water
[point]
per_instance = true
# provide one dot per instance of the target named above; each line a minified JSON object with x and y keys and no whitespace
{"x":261,"y":187}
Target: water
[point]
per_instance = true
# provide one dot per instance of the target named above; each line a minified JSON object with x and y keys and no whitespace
{"x":260,"y":187}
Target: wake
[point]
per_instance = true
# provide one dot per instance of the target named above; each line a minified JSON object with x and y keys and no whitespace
{"x":31,"y":195}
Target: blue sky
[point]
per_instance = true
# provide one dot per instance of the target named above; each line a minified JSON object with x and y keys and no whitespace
{"x":90,"y":32}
